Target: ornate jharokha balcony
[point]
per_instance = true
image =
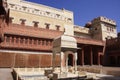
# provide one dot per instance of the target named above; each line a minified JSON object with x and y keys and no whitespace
{"x":28,"y":38}
{"x":31,"y":31}
{"x":27,"y":46}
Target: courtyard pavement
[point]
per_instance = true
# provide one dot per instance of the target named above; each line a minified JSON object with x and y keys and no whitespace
{"x":5,"y":74}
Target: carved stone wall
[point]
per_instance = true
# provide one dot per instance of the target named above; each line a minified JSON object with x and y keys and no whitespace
{"x":6,"y":59}
{"x":25,"y":60}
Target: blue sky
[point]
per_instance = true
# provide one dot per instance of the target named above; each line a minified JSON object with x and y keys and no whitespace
{"x":86,"y":10}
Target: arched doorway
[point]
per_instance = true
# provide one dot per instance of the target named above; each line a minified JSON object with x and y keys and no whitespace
{"x":118,"y":61}
{"x":112,"y":61}
{"x":70,"y":59}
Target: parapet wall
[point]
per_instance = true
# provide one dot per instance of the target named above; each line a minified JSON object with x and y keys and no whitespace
{"x":81,"y":29}
{"x":104,"y":19}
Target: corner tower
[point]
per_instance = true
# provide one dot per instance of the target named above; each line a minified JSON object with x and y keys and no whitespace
{"x":103,"y":28}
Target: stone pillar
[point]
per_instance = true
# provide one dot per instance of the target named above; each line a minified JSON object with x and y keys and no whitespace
{"x":98,"y":58}
{"x":53,"y":60}
{"x":19,"y":41}
{"x":10,"y":39}
{"x":14,"y":60}
{"x":91,"y":56}
{"x":45,"y":42}
{"x":48,"y":43}
{"x":62,"y":56}
{"x":14,"y":40}
{"x":24,"y":41}
{"x":28,"y":41}
{"x":41,"y":42}
{"x":82,"y":60}
{"x":66,"y":61}
{"x":2,"y":17}
{"x":37,"y":42}
{"x":32,"y":41}
{"x":5,"y":39}
{"x":76,"y":61}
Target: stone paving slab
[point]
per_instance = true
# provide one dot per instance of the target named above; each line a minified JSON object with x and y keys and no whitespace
{"x":5,"y":74}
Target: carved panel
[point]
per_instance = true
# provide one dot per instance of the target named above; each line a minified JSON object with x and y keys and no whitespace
{"x":57,"y":60}
{"x":21,"y":60}
{"x":6,"y":59}
{"x":46,"y":60}
{"x":33,"y":60}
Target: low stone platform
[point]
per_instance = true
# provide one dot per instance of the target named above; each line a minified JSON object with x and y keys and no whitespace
{"x":101,"y":70}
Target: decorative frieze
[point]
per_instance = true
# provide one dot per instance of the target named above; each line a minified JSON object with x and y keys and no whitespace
{"x":39,"y":12}
{"x":35,"y":43}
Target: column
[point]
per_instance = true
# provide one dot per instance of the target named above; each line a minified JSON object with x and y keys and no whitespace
{"x":53,"y":60}
{"x":91,"y":56}
{"x":19,"y":41}
{"x":24,"y":41}
{"x":5,"y":39}
{"x":10,"y":39}
{"x":62,"y":56}
{"x":66,"y":61}
{"x":98,"y":58}
{"x":32,"y":41}
{"x":82,"y":60}
{"x":41,"y":42}
{"x":45,"y":42}
{"x":14,"y":60}
{"x":28,"y":41}
{"x":76,"y":61}
{"x":37,"y":42}
{"x":14,"y":40}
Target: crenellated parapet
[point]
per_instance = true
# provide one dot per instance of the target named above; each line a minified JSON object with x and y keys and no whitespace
{"x":81,"y":29}
{"x":103,"y":28}
{"x":104,"y":19}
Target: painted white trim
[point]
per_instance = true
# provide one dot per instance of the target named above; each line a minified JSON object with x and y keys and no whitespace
{"x":25,"y":52}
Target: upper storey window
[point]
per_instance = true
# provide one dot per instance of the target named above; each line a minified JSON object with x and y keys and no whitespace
{"x":69,"y":19}
{"x":35,"y":23}
{"x":12,"y":5}
{"x":109,"y":28}
{"x":48,"y":13}
{"x":57,"y":27}
{"x":47,"y":25}
{"x":24,"y":8}
{"x":22,"y":21}
{"x":58,"y":15}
